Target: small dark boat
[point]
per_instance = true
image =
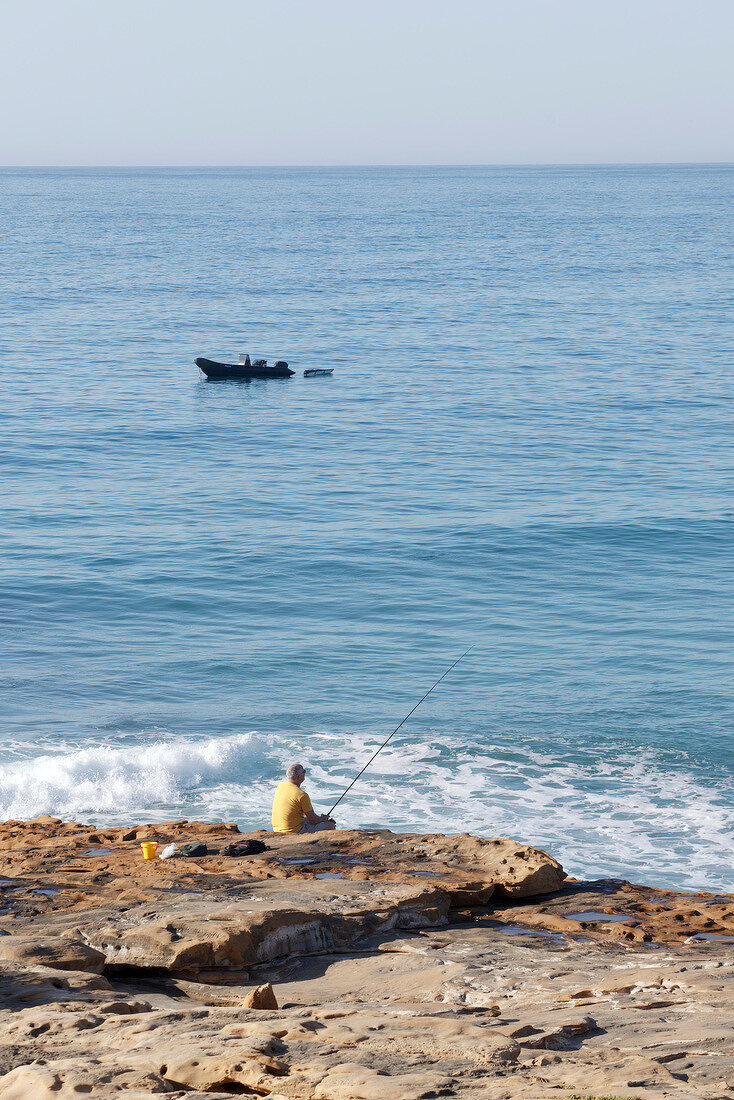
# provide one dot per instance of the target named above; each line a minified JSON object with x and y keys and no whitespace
{"x":318,"y":372}
{"x":258,"y":368}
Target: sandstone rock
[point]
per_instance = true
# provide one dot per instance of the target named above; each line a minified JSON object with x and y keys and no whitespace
{"x":262,"y":997}
{"x":30,"y":1083}
{"x":557,"y":1038}
{"x":515,"y":870}
{"x":60,"y":954}
{"x":125,"y":1008}
{"x":352,"y":1081}
{"x":270,"y":919}
{"x":390,"y":1047}
{"x":470,"y":869}
{"x":220,"y":1071}
{"x":349,"y":931}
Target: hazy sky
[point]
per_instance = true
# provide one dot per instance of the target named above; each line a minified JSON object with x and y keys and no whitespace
{"x":366,"y":81}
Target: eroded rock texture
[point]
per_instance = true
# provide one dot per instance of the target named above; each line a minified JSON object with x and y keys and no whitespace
{"x":350,"y":966}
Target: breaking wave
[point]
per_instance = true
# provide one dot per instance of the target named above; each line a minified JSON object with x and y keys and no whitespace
{"x":119,"y":782}
{"x":649,"y":816}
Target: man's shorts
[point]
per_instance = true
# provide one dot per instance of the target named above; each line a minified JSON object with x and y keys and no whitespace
{"x":317,"y":828}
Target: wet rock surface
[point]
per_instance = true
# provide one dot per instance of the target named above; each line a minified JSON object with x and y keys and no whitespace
{"x":350,"y":966}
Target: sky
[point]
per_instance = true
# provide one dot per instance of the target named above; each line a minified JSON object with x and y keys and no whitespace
{"x":342,"y":82}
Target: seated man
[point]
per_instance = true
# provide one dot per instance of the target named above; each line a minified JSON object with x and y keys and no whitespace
{"x":292,"y":809}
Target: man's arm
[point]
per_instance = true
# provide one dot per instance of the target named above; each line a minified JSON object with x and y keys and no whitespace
{"x":315,"y":819}
{"x":308,"y":811}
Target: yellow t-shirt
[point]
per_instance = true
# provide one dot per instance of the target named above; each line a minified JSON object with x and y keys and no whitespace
{"x":289,"y":806}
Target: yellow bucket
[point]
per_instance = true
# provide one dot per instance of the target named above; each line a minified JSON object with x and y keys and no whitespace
{"x":149,"y":847}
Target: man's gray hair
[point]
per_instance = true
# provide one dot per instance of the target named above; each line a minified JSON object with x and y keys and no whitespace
{"x":294,"y":771}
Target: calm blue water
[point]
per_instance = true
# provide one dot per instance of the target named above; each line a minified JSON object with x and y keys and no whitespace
{"x":527,"y":444}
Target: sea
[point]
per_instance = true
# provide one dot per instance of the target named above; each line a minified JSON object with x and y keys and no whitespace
{"x":526,"y":446}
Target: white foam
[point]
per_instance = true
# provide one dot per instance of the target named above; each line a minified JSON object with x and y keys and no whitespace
{"x":651,"y":816}
{"x":102,"y":779}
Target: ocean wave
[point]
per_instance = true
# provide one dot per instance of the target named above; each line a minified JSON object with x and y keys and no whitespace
{"x":119,"y":782}
{"x":610,"y":812}
{"x":651,"y":816}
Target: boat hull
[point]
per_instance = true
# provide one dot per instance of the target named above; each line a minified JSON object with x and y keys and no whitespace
{"x":240,"y":371}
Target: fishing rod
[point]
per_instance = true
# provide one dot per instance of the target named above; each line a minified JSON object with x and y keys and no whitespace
{"x":407,"y":716}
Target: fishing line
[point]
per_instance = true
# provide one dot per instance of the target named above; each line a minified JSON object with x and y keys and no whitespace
{"x":407,"y":716}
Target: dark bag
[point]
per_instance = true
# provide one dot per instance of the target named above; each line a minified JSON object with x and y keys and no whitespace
{"x":245,"y":848}
{"x":197,"y":848}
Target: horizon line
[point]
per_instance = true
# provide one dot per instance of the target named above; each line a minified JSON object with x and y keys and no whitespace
{"x":427,"y":164}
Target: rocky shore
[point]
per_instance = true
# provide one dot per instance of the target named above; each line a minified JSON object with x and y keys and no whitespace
{"x":352,"y":965}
